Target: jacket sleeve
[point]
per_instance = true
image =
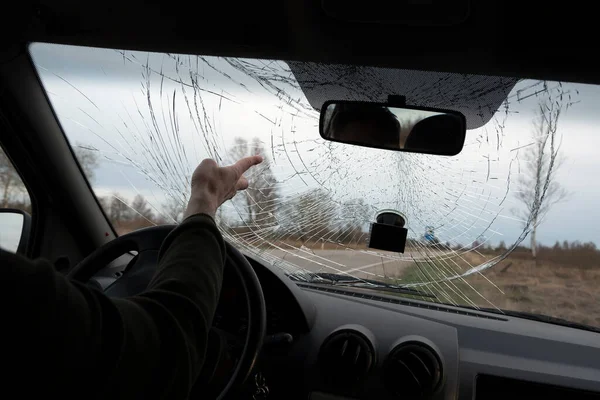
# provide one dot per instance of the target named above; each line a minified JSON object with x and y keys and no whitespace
{"x":64,"y":338}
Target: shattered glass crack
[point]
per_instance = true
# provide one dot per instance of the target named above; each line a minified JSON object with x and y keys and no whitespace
{"x":309,"y":205}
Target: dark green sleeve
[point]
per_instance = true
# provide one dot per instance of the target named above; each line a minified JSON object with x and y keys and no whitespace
{"x":63,"y":338}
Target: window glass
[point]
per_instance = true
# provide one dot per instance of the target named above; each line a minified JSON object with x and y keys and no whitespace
{"x":13,"y":195}
{"x":511,"y":223}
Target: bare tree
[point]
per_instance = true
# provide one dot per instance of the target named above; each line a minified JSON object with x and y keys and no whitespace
{"x":105,"y":203}
{"x":88,"y":159}
{"x":119,"y":210}
{"x":262,"y":190}
{"x":261,"y":196}
{"x":12,"y":190}
{"x":310,"y":216}
{"x":355,"y":217}
{"x":240,"y":149}
{"x":142,"y":208}
{"x":11,"y":185}
{"x":174,"y":208}
{"x":537,"y":188}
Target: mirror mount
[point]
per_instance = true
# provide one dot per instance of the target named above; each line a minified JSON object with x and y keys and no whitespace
{"x":388,"y":232}
{"x":396,"y":100}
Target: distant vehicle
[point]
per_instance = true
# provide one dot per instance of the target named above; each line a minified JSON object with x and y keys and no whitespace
{"x":429,"y":235}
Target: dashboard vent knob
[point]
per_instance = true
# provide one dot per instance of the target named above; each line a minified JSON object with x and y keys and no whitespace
{"x":412,"y":371}
{"x":346,"y":357}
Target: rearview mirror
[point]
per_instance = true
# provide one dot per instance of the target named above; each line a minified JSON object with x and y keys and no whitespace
{"x":382,"y":126}
{"x":15,"y":227}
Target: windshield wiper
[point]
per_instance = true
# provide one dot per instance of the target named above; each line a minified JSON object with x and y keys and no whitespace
{"x":537,"y":317}
{"x":324,"y":278}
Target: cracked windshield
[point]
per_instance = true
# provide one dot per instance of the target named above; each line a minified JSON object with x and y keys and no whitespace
{"x":510,"y":223}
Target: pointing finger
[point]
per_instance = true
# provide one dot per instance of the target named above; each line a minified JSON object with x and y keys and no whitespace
{"x":245,"y":163}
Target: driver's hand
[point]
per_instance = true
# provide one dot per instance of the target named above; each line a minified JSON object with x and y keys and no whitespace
{"x":213,"y":185}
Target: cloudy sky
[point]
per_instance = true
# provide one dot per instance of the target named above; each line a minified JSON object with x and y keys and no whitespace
{"x":153,"y":117}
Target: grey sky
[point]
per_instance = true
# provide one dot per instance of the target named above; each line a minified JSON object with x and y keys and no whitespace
{"x":101,"y":101}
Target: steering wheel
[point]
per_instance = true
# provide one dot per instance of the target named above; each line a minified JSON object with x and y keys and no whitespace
{"x":140,"y":271}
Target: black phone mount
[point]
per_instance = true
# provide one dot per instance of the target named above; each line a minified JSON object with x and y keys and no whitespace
{"x":388,"y":233}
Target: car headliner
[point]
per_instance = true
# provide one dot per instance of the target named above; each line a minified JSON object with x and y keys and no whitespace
{"x":509,"y":38}
{"x":477,"y":97}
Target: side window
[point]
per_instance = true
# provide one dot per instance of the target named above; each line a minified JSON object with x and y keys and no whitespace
{"x":15,"y":208}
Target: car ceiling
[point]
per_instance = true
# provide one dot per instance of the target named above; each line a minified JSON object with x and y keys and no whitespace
{"x":477,"y":97}
{"x":534,"y":40}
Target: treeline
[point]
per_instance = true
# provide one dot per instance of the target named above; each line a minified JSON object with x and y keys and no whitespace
{"x":262,"y":211}
{"x":575,"y":253}
{"x":312,"y":216}
{"x":309,"y":218}
{"x":124,"y":215}
{"x":13,"y":193}
{"x":571,"y":253}
{"x":127,"y":216}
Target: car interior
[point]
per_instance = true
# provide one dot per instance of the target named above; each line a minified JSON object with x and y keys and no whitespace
{"x":301,"y":338}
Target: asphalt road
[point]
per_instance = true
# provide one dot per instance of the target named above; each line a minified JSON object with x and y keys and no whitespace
{"x":358,"y":263}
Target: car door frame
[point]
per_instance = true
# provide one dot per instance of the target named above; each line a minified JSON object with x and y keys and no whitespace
{"x":67,"y":219}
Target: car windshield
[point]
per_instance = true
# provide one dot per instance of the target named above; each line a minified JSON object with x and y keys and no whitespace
{"x":508,"y":224}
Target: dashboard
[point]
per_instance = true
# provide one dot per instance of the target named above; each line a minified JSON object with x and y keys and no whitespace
{"x":352,"y":344}
{"x":332,"y":343}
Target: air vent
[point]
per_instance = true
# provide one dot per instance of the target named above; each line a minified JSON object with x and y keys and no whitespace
{"x":346,"y":357}
{"x":412,"y":371}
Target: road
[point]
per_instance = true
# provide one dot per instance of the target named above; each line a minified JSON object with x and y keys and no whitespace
{"x":359,"y":263}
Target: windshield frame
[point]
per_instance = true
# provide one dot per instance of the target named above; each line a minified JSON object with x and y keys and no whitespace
{"x":452,"y":281}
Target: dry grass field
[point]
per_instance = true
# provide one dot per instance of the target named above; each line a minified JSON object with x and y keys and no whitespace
{"x":564,"y":280}
{"x":560,"y":284}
